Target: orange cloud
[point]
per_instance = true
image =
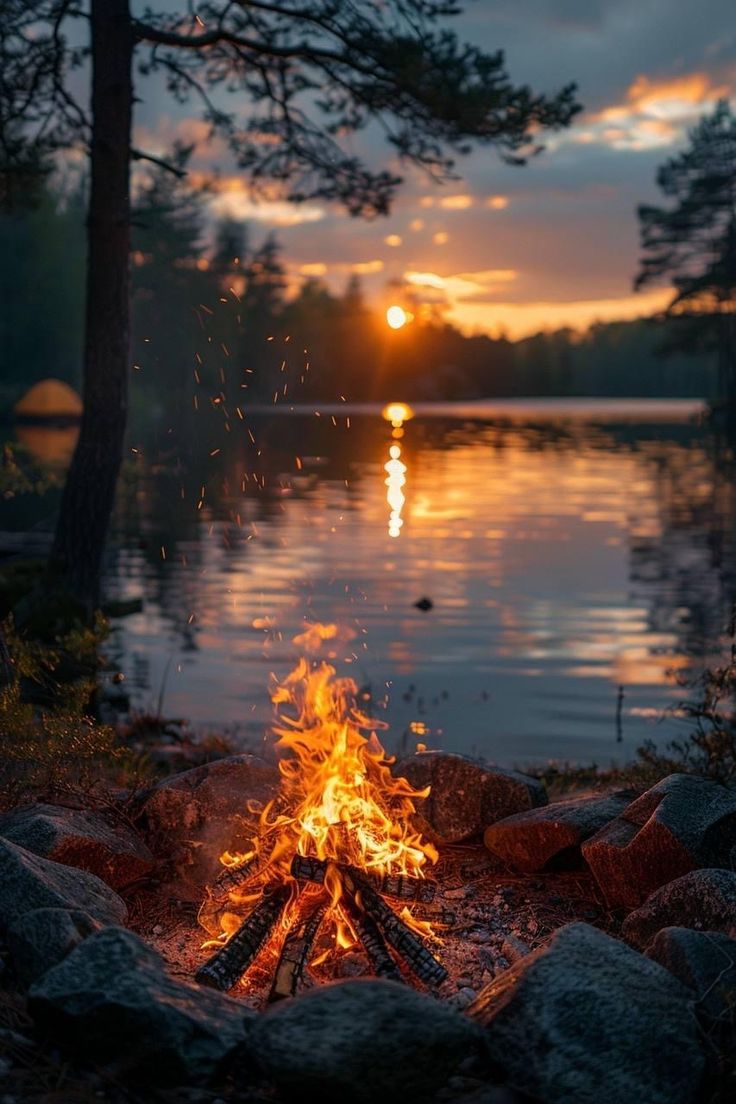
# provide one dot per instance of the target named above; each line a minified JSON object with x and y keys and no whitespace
{"x":456,"y":202}
{"x":234,"y":197}
{"x":521,"y":319}
{"x":393,"y":240}
{"x":655,"y":112}
{"x":497,"y":202}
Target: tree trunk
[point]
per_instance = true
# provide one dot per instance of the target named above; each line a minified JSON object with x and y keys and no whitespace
{"x":87,"y":502}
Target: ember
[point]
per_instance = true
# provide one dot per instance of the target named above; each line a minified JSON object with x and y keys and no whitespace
{"x":336,"y":840}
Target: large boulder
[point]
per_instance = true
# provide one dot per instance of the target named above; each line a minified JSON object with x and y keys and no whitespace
{"x":682,"y":823}
{"x":28,"y":882}
{"x":585,"y":1018}
{"x":191,"y":818}
{"x":705,"y":961}
{"x":361,"y":1040}
{"x":704,"y":899}
{"x":76,"y":837}
{"x":111,"y":1001}
{"x":41,"y":939}
{"x":466,"y":795}
{"x":532,"y":840}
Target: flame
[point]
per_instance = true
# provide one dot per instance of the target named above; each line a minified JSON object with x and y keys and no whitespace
{"x":338,"y":800}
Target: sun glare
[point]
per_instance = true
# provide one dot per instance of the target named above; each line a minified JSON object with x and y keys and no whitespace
{"x":396,"y":317}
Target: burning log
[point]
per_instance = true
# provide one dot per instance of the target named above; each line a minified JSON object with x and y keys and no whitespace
{"x":411,"y":948}
{"x":230,"y":962}
{"x":373,"y":942}
{"x":232,"y":877}
{"x":295,"y":954}
{"x":401,"y":886}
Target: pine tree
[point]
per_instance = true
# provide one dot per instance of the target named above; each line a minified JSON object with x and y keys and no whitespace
{"x":692,"y":242}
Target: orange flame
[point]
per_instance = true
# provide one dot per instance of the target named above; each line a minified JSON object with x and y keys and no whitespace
{"x":338,"y":799}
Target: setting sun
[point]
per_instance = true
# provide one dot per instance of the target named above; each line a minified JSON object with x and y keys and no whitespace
{"x":396,"y":317}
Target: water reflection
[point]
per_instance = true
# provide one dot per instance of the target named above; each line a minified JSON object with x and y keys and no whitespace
{"x":395,"y":481}
{"x":563,"y":559}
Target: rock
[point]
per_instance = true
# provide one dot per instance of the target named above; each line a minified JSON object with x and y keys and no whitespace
{"x":466,"y":795}
{"x":111,"y":1001}
{"x":706,"y":962}
{"x":703,"y":899}
{"x":28,"y":882}
{"x":363,"y":1041}
{"x":531,"y":840}
{"x":682,"y":823}
{"x":193,"y":817}
{"x":41,"y":939}
{"x":587,"y":1019}
{"x":76,"y":837}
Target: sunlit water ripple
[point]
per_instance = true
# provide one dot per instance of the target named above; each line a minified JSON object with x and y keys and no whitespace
{"x":566,"y":554}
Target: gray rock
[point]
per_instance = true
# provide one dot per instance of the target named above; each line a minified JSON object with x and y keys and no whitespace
{"x":191,"y":818}
{"x":704,"y":899}
{"x":41,"y":939}
{"x":111,"y":1001}
{"x":28,"y":882}
{"x":466,"y":795}
{"x":587,"y":1019}
{"x":682,"y":823}
{"x":76,"y":837}
{"x":706,"y":962}
{"x":362,"y":1041}
{"x":532,"y":840}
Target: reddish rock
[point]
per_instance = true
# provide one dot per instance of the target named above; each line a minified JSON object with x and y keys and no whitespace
{"x":89,"y":840}
{"x":531,"y":840}
{"x":466,"y":795}
{"x":682,"y":823}
{"x":191,"y":818}
{"x":703,"y":899}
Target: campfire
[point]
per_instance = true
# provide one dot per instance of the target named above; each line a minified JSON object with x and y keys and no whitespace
{"x":334,"y":862}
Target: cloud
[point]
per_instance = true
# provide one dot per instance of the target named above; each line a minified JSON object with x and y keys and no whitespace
{"x":521,"y":319}
{"x":655,"y":112}
{"x":430,"y":287}
{"x":233,"y":197}
{"x":456,"y":202}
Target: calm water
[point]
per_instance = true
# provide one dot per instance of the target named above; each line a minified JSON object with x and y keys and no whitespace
{"x":568,"y":550}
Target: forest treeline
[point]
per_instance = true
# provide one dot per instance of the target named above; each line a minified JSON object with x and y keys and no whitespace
{"x":213,"y":324}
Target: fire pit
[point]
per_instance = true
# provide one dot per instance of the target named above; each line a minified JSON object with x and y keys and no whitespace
{"x":335,"y":861}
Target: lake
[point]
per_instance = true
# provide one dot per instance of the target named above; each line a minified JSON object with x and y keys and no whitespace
{"x":574,"y":553}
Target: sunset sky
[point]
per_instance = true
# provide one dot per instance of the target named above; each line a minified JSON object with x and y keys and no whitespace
{"x":551,"y":244}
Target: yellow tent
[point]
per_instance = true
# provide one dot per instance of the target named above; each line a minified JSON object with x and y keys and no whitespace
{"x":49,"y":398}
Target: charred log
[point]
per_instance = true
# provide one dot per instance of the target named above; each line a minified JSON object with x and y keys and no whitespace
{"x":412,"y":949}
{"x":400,"y":886}
{"x":230,"y":962}
{"x":373,"y":942}
{"x":295,"y":953}
{"x":409,"y":946}
{"x":232,"y":877}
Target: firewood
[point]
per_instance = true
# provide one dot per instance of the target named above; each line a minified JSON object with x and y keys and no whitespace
{"x":295,"y":953}
{"x":409,"y":946}
{"x":228,"y":964}
{"x":373,"y":942}
{"x":232,"y":877}
{"x":405,"y":942}
{"x":401,"y":886}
